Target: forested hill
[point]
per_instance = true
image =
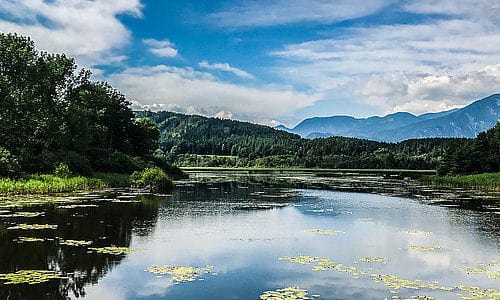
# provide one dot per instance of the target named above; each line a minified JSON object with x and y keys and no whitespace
{"x":190,"y":140}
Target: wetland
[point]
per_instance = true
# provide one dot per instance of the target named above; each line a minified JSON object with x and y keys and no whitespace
{"x":255,"y":235}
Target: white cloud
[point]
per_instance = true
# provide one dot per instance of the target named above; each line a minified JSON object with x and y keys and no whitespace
{"x":87,"y":30}
{"x":162,"y":48}
{"x":443,"y":63}
{"x":188,"y":91}
{"x":279,"y":12}
{"x":225,"y":67}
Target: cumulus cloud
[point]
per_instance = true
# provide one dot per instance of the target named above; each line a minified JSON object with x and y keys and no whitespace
{"x":226,"y":68}
{"x":188,"y":91}
{"x":87,"y":30}
{"x":163,"y":48}
{"x":443,"y":63}
{"x":279,"y":12}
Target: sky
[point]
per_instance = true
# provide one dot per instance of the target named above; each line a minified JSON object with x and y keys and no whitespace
{"x":275,"y":61}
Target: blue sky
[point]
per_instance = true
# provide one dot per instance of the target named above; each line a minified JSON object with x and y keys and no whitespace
{"x":276,"y":61}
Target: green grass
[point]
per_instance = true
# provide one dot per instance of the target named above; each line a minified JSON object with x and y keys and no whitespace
{"x":485,"y":180}
{"x":47,"y":184}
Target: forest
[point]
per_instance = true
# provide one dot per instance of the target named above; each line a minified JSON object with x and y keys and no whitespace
{"x":51,"y":113}
{"x":190,"y":140}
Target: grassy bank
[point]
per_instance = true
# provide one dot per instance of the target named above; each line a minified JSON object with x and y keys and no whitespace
{"x":46,"y":184}
{"x":485,"y":180}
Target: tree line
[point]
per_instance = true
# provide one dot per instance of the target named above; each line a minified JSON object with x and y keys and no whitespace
{"x":472,"y":156}
{"x":189,"y":140}
{"x":51,"y":112}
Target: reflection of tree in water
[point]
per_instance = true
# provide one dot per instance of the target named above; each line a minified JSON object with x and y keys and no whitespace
{"x":107,"y":225}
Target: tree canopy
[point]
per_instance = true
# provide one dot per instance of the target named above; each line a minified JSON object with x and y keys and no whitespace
{"x":51,"y":113}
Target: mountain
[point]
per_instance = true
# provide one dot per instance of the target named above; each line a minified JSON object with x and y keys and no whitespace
{"x":466,"y":122}
{"x":190,"y":140}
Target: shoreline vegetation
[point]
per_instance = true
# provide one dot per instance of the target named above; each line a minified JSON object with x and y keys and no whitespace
{"x":154,"y":179}
{"x":489,"y":181}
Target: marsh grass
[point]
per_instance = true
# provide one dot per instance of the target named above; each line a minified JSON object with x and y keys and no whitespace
{"x":478,"y":181}
{"x":47,"y":184}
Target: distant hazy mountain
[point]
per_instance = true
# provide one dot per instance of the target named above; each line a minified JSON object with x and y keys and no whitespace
{"x":465,"y":122}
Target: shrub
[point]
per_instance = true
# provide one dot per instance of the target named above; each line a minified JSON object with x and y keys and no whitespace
{"x":154,"y":178}
{"x":8,"y":163}
{"x":117,"y":162}
{"x":62,"y":171}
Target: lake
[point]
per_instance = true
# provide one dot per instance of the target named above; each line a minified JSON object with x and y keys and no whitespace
{"x":250,"y":235}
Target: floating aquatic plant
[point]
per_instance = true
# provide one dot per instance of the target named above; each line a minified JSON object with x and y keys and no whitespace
{"x":302,"y":259}
{"x":289,"y":293}
{"x":75,"y":243}
{"x":23,"y":214}
{"x":32,"y":226}
{"x":485,"y":268}
{"x":374,"y":260}
{"x":420,"y":248}
{"x":72,"y":206}
{"x":24,"y":239}
{"x":418,"y":231}
{"x":478,"y":293}
{"x":324,"y":264}
{"x":179,"y":273}
{"x":113,"y":250}
{"x":323,"y":231}
{"x":29,"y":276}
{"x":396,"y":283}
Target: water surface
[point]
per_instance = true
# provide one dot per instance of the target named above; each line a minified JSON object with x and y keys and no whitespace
{"x":242,"y":228}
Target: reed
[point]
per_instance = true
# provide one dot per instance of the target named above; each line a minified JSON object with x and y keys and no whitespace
{"x":477,"y":181}
{"x":47,"y":184}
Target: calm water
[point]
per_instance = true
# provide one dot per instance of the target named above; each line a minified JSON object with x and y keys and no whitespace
{"x":233,"y":227}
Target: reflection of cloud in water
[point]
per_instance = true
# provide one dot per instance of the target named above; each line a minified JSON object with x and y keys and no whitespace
{"x":155,"y":287}
{"x":245,"y":245}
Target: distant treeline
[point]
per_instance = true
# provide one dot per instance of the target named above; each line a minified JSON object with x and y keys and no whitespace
{"x":479,"y":155}
{"x":189,"y":140}
{"x":52,"y":114}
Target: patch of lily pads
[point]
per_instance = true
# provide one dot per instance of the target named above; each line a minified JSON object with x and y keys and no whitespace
{"x":478,"y":293}
{"x":29,"y":277}
{"x":25,"y":239}
{"x":113,"y":250}
{"x":392,"y":281}
{"x":22,"y":214}
{"x":423,"y":248}
{"x":485,"y":268}
{"x":32,"y":227}
{"x":75,"y":243}
{"x":377,"y":259}
{"x":324,"y":264}
{"x":323,"y":231}
{"x":289,"y":293}
{"x":396,"y":283}
{"x":179,"y":273}
{"x":419,"y":232}
{"x":73,"y":206}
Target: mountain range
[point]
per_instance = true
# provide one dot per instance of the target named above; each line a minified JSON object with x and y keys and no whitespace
{"x":464,"y":122}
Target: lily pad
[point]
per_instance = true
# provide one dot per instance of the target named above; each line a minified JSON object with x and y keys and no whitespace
{"x":179,"y":273}
{"x":323,"y":231}
{"x":75,"y":243}
{"x":383,"y":260}
{"x":29,"y":276}
{"x":24,"y":239}
{"x":113,"y":250}
{"x":32,"y":226}
{"x":288,"y":293}
{"x":421,"y":248}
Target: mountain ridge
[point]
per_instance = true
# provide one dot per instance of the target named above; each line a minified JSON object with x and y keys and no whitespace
{"x":465,"y":122}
